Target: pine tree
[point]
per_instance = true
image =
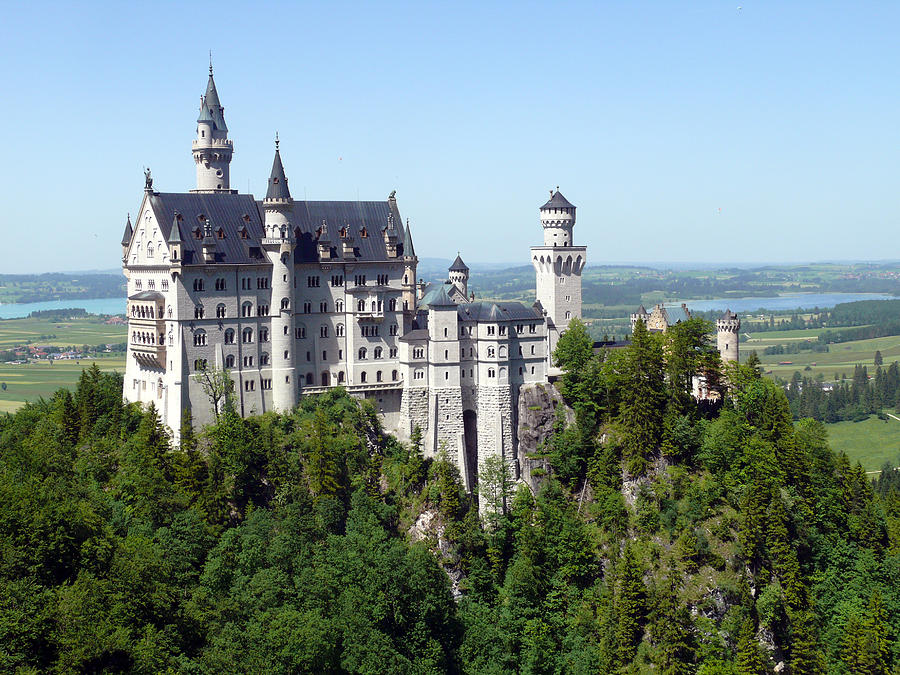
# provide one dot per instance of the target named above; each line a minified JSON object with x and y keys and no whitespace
{"x":643,"y":399}
{"x":749,"y":658}
{"x":806,"y":656}
{"x":673,"y":629}
{"x":631,"y":606}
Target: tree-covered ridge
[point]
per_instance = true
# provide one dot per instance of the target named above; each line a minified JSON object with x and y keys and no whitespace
{"x":668,"y":537}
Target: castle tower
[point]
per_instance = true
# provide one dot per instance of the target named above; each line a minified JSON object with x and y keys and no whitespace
{"x":278,"y":243}
{"x":558,"y":265}
{"x":459,"y":275}
{"x":410,"y":261}
{"x":728,"y":327}
{"x":212,"y":149}
{"x":126,"y":238}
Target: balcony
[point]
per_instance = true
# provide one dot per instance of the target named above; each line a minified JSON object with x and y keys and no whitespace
{"x":149,"y":355}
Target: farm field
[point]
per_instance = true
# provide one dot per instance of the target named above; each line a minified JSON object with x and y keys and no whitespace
{"x":841,"y":358}
{"x":29,"y":381}
{"x":81,"y":331}
{"x":871,"y":442}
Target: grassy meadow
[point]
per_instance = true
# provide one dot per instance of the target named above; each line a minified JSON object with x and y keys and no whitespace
{"x":871,"y":442}
{"x":40,"y":378}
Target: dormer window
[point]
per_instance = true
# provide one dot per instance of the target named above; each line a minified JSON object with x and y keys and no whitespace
{"x":220,"y":233}
{"x":364,"y":233}
{"x":198,"y":233}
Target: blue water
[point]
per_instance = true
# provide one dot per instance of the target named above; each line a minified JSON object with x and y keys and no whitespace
{"x":91,"y":305}
{"x":786,"y":301}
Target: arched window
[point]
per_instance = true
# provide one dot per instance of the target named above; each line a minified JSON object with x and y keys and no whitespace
{"x":392,"y":305}
{"x":263,"y":334}
{"x":362,"y":377}
{"x":229,"y":336}
{"x":360,"y":305}
{"x":326,"y":379}
{"x":339,"y":330}
{"x":340,"y":377}
{"x":378,"y":376}
{"x":300,"y":331}
{"x":198,"y":312}
{"x":170,"y":311}
{"x":309,"y":378}
{"x":503,"y":352}
{"x":229,"y":361}
{"x":394,"y":375}
{"x":220,"y":311}
{"x":362,"y":353}
{"x":323,"y":331}
{"x":264,"y":359}
{"x":285,"y":303}
{"x":338,"y":305}
{"x":490,"y":352}
{"x":247,"y":335}
{"x":247,"y":309}
{"x":200,"y":338}
{"x":149,"y":250}
{"x":377,"y":353}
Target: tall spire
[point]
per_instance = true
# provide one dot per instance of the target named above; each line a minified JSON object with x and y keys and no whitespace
{"x":129,"y":231}
{"x":409,"y":250}
{"x":211,"y":148}
{"x":278,"y":186}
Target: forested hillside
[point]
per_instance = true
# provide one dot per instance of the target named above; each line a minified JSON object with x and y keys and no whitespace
{"x":666,"y":537}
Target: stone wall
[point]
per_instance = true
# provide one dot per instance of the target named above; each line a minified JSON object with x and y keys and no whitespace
{"x":413,"y":412}
{"x":537,"y":407}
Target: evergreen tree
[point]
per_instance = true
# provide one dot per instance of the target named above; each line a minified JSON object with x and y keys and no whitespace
{"x":749,"y":658}
{"x":630,"y":606}
{"x":642,"y":399}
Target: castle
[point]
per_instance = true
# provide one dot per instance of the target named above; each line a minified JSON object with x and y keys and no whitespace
{"x":293,"y":297}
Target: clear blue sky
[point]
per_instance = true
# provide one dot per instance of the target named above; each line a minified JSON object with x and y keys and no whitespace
{"x":650,"y":117}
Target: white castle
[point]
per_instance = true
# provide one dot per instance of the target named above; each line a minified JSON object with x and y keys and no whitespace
{"x":293,"y":297}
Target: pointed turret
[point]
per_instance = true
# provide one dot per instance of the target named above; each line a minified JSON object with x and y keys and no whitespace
{"x":410,"y":261}
{"x":459,"y":275}
{"x":175,"y":232}
{"x":211,"y":148}
{"x":458,"y":265}
{"x":278,"y":185}
{"x":129,"y":231}
{"x":409,"y":250}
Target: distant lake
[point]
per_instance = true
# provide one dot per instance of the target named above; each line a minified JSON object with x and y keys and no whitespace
{"x":780,"y":302}
{"x":90,"y":305}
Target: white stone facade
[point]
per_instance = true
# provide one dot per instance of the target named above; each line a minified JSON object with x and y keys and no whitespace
{"x":291,"y":298}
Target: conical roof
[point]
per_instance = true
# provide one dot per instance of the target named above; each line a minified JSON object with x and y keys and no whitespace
{"x":129,"y":231}
{"x":175,"y":232}
{"x":408,"y":248}
{"x":278,"y":186}
{"x":211,"y":100}
{"x":557,"y":201}
{"x":642,"y":311}
{"x":728,"y":315}
{"x":458,"y":265}
{"x":442,"y":299}
{"x":205,"y":115}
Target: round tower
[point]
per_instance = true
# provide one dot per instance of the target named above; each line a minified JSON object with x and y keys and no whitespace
{"x":728,"y":327}
{"x":212,"y":149}
{"x":558,"y":220}
{"x":278,"y":243}
{"x":459,"y":275}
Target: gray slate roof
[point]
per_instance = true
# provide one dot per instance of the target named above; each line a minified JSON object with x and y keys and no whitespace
{"x":129,"y":231}
{"x":458,"y":265}
{"x":233,"y":212}
{"x":497,"y":311}
{"x":437,"y":297}
{"x":675,"y":314}
{"x":408,"y":248}
{"x":557,"y":201}
{"x":278,"y":185}
{"x":728,"y":315}
{"x":417,"y":334}
{"x":211,"y":100}
{"x":147,"y":295}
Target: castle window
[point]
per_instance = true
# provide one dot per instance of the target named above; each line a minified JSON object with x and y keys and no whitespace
{"x":326,"y":379}
{"x":264,"y":359}
{"x":262,"y":282}
{"x":247,"y":336}
{"x":220,"y":233}
{"x":198,"y":233}
{"x":243,"y":232}
{"x":199,"y":364}
{"x":262,"y":310}
{"x":312,"y":282}
{"x":394,"y":375}
{"x":265,"y":383}
{"x":340,"y":377}
{"x":360,"y":305}
{"x":338,"y":305}
{"x":324,"y":355}
{"x":520,"y":328}
{"x":392,"y":305}
{"x":418,"y":352}
{"x":382,"y":279}
{"x":220,"y":311}
{"x":220,"y":284}
{"x":309,"y":378}
{"x":364,"y":233}
{"x":248,"y":361}
{"x":568,"y":315}
{"x":138,"y":285}
{"x":229,"y":337}
{"x":323,"y":331}
{"x":446,"y":354}
{"x":287,"y":355}
{"x":393,"y":352}
{"x":169,"y":311}
{"x":300,"y":332}
{"x":446,"y":376}
{"x":150,"y":250}
{"x":337,"y":280}
{"x":490,"y":330}
{"x":164,"y":284}
{"x":445,"y":332}
{"x":309,"y":356}
{"x":307,"y":307}
{"x":323,"y":307}
{"x":532,"y":328}
{"x":362,"y":377}
{"x":229,"y":361}
{"x":200,"y":338}
{"x":378,"y":376}
{"x":491,"y":372}
{"x":198,"y":312}
{"x":285,"y":303}
{"x":376,"y":354}
{"x":393,"y":329}
{"x":198,"y":284}
{"x":419,"y":375}
{"x":520,"y":370}
{"x":151,"y":285}
{"x":362,"y":353}
{"x":339,"y":330}
{"x":249,"y":385}
{"x":532,"y":350}
{"x":263,"y":334}
{"x":502,"y":330}
{"x":490,"y":352}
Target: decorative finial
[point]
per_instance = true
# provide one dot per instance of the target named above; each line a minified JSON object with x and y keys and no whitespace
{"x":210,"y":61}
{"x":276,"y":141}
{"x":551,"y":192}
